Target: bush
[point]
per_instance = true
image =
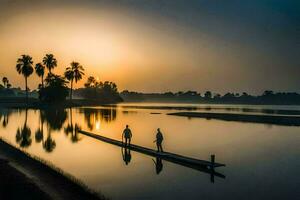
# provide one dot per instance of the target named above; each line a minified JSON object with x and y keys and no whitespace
{"x":55,"y":89}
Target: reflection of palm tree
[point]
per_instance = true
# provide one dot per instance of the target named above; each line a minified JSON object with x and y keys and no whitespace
{"x":5,"y":116}
{"x":23,"y":135}
{"x":71,"y":129}
{"x":49,"y":144}
{"x":55,"y":118}
{"x":39,"y":134}
{"x":91,"y":116}
{"x":24,"y":67}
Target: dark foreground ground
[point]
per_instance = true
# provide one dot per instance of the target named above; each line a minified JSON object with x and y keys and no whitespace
{"x":22,"y":177}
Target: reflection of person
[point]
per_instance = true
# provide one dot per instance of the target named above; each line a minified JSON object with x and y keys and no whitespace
{"x":159,"y":140}
{"x":126,"y":155}
{"x":127,"y":135}
{"x":158,"y":165}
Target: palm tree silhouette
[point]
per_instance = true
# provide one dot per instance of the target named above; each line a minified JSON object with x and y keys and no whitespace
{"x":5,"y":81}
{"x":50,"y":62}
{"x":75,"y":72}
{"x":40,"y":71}
{"x":24,"y":67}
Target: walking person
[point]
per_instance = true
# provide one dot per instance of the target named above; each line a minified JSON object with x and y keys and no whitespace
{"x":159,"y":140}
{"x":127,"y":135}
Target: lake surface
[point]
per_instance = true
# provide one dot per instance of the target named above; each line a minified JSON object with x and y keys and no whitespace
{"x":262,"y":161}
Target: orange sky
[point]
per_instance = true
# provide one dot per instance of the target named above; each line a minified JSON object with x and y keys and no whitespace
{"x":134,"y":50}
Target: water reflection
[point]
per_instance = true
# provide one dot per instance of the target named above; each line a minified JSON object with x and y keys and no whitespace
{"x":158,"y":165}
{"x":126,"y":155}
{"x":39,"y":133}
{"x":94,"y":116}
{"x":49,"y":144}
{"x":23,"y":135}
{"x":55,"y":118}
{"x":72,"y":129}
{"x":4,"y":117}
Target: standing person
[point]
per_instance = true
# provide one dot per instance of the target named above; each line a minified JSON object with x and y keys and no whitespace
{"x":159,"y":139}
{"x":127,"y":135}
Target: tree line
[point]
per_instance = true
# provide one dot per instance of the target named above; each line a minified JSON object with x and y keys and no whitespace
{"x":267,"y":97}
{"x":53,"y":87}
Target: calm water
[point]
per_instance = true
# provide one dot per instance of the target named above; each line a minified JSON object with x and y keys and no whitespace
{"x":262,"y":161}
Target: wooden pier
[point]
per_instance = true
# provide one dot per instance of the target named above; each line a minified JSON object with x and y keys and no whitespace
{"x":200,"y":165}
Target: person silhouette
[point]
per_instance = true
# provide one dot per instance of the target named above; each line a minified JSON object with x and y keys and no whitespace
{"x":158,"y":164}
{"x":159,"y":140}
{"x":126,"y":154}
{"x":127,"y":135}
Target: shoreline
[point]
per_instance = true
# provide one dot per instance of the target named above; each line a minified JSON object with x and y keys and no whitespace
{"x":20,"y":103}
{"x":42,"y":176}
{"x":251,"y":118}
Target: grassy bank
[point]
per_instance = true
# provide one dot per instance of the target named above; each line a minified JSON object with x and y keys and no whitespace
{"x":51,"y":180}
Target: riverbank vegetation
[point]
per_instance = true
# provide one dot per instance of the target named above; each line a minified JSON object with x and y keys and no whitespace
{"x":268,"y":97}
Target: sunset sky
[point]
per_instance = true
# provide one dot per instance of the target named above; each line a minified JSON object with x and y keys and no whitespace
{"x":159,"y":45}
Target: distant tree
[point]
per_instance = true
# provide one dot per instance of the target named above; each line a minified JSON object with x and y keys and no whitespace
{"x":179,"y":93}
{"x":55,"y":89}
{"x":208,"y":95}
{"x":5,"y":81}
{"x":91,"y":82}
{"x":245,"y":94}
{"x":75,"y":72}
{"x":24,"y":67}
{"x":268,"y":93}
{"x":106,"y":91}
{"x":40,"y":71}
{"x":217,"y":96}
{"x":50,"y":62}
{"x":228,"y":96}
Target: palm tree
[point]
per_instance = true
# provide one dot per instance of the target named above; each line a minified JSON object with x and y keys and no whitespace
{"x":69,"y":74}
{"x":75,"y":72}
{"x":24,"y":67}
{"x":5,"y":81}
{"x":50,"y":62}
{"x":40,"y":71}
